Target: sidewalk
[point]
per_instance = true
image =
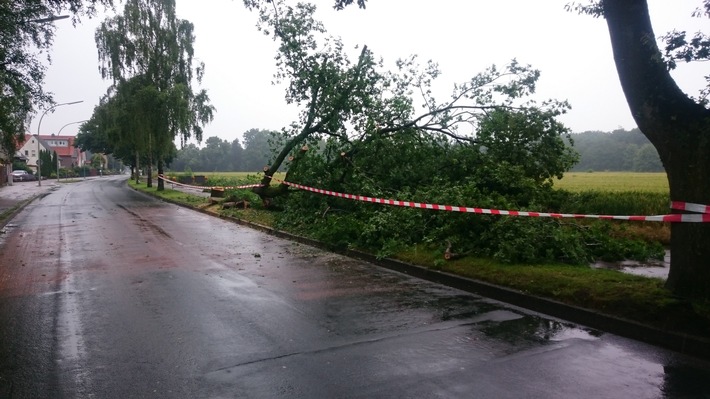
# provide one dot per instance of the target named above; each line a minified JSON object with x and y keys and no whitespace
{"x":11,"y":196}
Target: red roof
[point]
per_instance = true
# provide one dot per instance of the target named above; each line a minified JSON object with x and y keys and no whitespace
{"x":64,"y":151}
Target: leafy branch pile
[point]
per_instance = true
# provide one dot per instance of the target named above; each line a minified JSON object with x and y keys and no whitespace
{"x":381,"y":133}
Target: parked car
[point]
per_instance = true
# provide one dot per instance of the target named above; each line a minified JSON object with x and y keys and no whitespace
{"x":22,"y":175}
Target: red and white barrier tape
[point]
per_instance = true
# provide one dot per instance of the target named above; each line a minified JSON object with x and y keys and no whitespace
{"x":207,"y":187}
{"x":702,"y":212}
{"x":690,"y":207}
{"x":673,"y":218}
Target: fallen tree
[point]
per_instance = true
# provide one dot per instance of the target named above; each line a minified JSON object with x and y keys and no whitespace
{"x":349,"y":106}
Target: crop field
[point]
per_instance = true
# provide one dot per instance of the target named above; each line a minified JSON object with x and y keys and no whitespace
{"x":614,"y":182}
{"x":572,"y":181}
{"x":235,"y":175}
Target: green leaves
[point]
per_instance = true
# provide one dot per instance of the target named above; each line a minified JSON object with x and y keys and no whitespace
{"x":384,"y":134}
{"x":148,"y":53}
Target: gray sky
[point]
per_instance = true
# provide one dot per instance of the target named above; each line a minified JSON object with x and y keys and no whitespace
{"x":571,"y":51}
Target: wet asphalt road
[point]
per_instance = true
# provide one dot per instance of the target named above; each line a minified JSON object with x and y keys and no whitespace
{"x":107,"y":293}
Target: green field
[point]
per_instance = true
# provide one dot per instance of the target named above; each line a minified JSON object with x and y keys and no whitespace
{"x":614,"y":182}
{"x":233,"y":175}
{"x":572,"y":181}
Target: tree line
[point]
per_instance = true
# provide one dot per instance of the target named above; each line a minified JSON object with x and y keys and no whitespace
{"x":219,"y":155}
{"x":617,"y":151}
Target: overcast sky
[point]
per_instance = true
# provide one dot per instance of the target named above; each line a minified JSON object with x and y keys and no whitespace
{"x":572,"y":52}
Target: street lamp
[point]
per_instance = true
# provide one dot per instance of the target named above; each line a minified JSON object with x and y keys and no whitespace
{"x":51,"y":18}
{"x":70,"y":123}
{"x":60,"y":132}
{"x":39,"y":169}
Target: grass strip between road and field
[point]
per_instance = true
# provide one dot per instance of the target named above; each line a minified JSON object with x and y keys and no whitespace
{"x":636,"y":298}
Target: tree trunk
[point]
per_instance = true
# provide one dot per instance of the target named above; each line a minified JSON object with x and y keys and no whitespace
{"x":149,"y":176}
{"x":677,"y":126}
{"x":267,"y":192}
{"x":161,"y":183}
{"x":149,"y":171}
{"x":138,"y":169}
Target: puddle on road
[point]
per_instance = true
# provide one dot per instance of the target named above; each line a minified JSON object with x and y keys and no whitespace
{"x":536,"y":330}
{"x":652,"y":268}
{"x":5,"y":231}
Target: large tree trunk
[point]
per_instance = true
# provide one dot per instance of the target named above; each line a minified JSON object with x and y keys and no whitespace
{"x":677,"y":126}
{"x":138,"y":170}
{"x":161,"y":183}
{"x":149,"y":172}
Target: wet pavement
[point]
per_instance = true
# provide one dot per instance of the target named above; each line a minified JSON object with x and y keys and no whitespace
{"x":11,"y":195}
{"x":107,"y":293}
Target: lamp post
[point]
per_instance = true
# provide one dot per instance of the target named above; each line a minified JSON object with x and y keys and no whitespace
{"x":59,"y":133}
{"x":39,"y":125}
{"x":70,"y":123}
{"x":51,"y":18}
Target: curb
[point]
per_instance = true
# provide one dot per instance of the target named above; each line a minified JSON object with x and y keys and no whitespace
{"x":683,"y":343}
{"x":19,"y":206}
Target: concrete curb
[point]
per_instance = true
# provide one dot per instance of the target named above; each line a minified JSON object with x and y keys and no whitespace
{"x":17,"y":208}
{"x":679,"y":342}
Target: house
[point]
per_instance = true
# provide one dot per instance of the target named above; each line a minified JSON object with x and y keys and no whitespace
{"x":68,"y":155}
{"x":30,"y":149}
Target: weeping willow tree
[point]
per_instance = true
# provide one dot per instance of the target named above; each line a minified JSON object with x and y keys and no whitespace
{"x":121,"y":123}
{"x":149,"y":43}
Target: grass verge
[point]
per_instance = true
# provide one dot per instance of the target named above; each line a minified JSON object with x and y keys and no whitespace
{"x":636,"y":298}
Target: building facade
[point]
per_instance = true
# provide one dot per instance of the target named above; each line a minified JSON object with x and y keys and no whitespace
{"x":30,"y":149}
{"x":68,"y":155}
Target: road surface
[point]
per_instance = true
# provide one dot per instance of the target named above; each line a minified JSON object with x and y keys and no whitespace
{"x":108,"y":293}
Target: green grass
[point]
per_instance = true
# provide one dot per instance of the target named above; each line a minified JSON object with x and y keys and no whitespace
{"x":169,"y":194}
{"x":614,"y":182}
{"x":637,"y":298}
{"x":632,"y":297}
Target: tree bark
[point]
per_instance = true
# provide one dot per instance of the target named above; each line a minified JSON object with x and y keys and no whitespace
{"x":138,"y":170}
{"x":161,"y":183}
{"x":677,"y":126}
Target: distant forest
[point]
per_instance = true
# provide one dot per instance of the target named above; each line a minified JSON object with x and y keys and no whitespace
{"x":620,"y":150}
{"x":220,"y":155}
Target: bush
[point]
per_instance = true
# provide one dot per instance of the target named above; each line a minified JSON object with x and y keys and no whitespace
{"x":500,"y":174}
{"x":384,"y":229}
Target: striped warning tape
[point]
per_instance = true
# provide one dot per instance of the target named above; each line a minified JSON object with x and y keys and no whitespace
{"x":690,"y":207}
{"x":702,"y":212}
{"x":703,"y":217}
{"x":207,"y":187}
